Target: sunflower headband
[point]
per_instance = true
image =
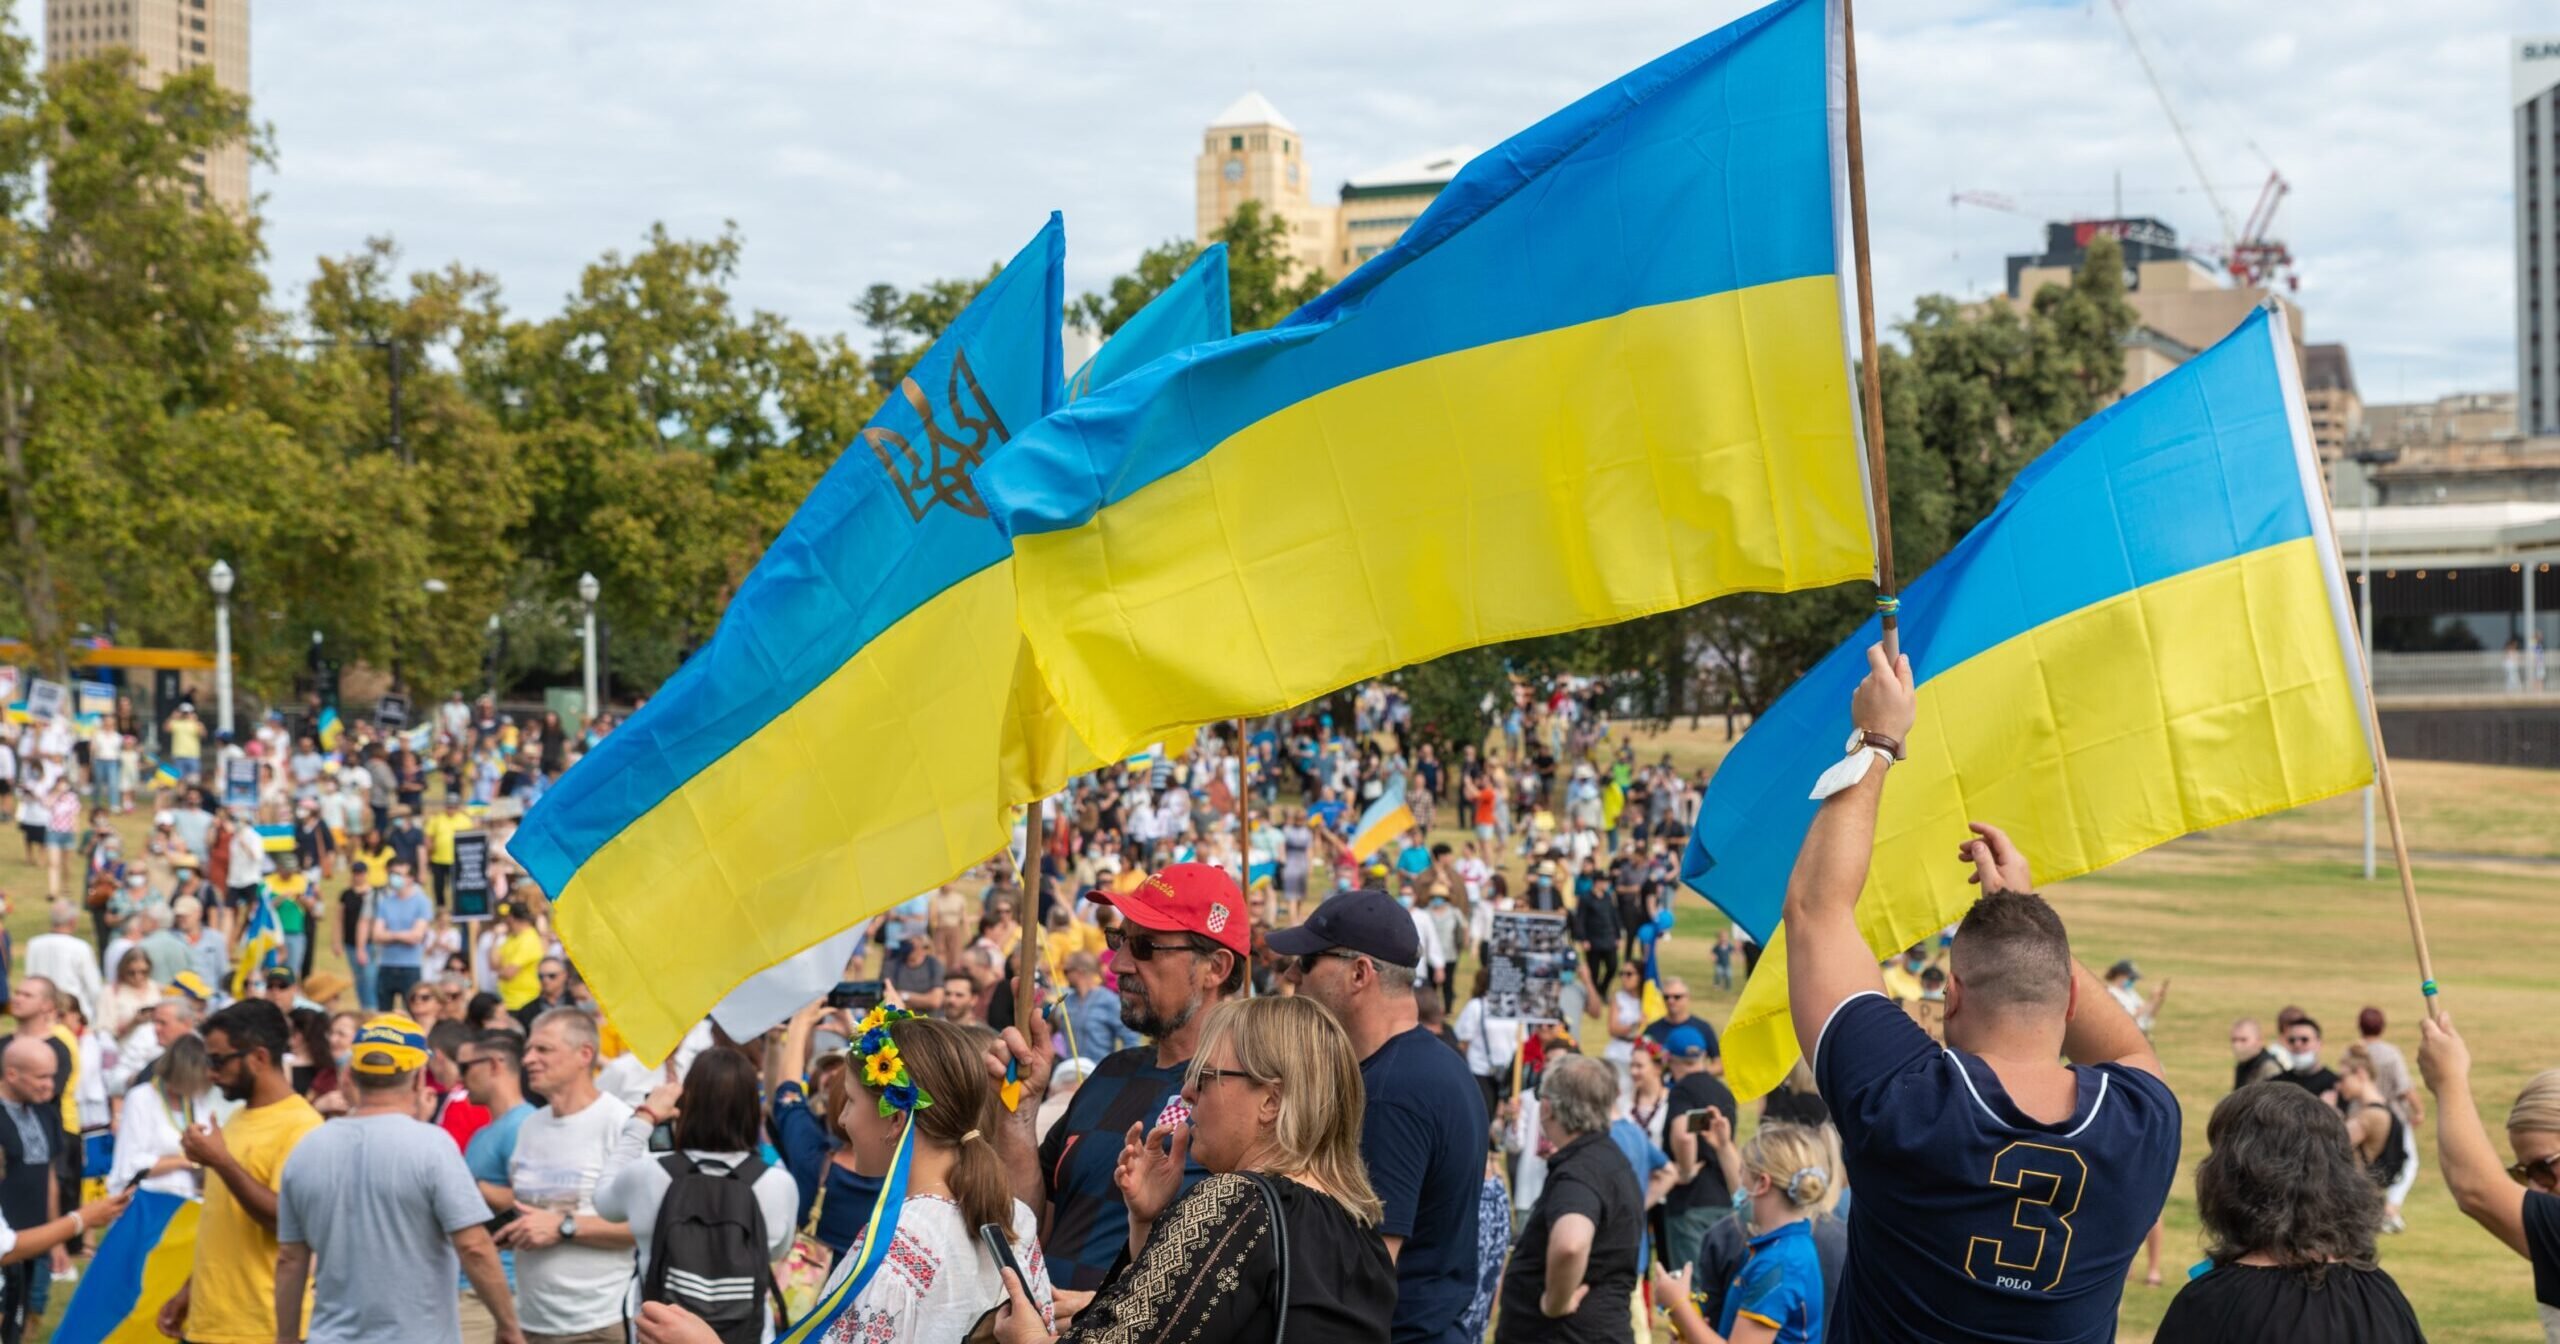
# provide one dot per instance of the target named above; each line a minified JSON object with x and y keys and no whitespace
{"x":883,"y":1069}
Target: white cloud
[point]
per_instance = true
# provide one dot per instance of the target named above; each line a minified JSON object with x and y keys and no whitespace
{"x":868,"y":141}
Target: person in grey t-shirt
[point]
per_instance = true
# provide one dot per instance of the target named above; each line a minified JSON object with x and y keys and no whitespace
{"x":387,"y":1205}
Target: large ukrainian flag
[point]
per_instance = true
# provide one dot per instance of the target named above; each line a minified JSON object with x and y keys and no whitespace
{"x":1603,"y":375}
{"x":858,"y":728}
{"x":2148,"y":636}
{"x":836,"y":747}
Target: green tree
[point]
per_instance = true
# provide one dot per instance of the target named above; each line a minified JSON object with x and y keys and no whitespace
{"x":125,"y":315}
{"x":1263,"y":285}
{"x":668,"y":438}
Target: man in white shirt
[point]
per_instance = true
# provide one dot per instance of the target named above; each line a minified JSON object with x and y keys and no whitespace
{"x":571,"y":1264}
{"x":67,"y":959}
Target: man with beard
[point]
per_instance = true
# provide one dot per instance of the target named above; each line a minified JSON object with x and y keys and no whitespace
{"x":1180,"y":950}
{"x":231,"y":1294}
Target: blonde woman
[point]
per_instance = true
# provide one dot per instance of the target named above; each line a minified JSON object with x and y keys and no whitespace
{"x":2519,"y":1203}
{"x":1276,"y":1100}
{"x":1775,"y":1293}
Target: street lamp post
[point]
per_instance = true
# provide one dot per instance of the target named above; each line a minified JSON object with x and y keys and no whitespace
{"x":219,"y":578}
{"x":588,"y":591}
{"x":497,"y":636}
{"x":2368,"y":460}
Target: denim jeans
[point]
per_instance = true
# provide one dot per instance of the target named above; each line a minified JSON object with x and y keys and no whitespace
{"x":365,"y":969}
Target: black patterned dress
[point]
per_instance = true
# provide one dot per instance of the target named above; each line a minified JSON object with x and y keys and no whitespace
{"x":1211,"y":1275}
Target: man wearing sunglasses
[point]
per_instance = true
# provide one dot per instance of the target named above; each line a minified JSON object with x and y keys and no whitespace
{"x":1423,"y":1134}
{"x":1181,"y":949}
{"x":2302,"y":1042}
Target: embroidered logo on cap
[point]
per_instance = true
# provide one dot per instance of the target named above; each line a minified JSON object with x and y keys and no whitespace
{"x":1217,"y":918}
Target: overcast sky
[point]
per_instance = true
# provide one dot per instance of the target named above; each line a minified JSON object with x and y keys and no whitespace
{"x":854,"y":141}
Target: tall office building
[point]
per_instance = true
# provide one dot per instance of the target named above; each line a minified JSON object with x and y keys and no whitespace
{"x":170,"y":36}
{"x":2534,"y":71}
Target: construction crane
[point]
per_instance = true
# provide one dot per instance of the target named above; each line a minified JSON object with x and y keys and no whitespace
{"x":2247,"y":253}
{"x":1989,"y":200}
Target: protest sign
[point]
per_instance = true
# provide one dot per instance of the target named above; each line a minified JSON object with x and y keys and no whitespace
{"x":471,"y":875}
{"x":391,"y":713}
{"x":44,"y":700}
{"x":97,"y":697}
{"x":240,"y":783}
{"x":1524,"y":955}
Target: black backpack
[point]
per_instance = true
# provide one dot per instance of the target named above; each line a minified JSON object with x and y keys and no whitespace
{"x":708,"y":1252}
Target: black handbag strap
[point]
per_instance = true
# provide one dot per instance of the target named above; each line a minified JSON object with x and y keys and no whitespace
{"x":1280,"y":1247}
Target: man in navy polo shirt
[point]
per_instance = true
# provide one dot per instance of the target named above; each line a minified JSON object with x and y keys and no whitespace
{"x":2001,"y":1195}
{"x":1181,"y":949}
{"x":1424,"y":1133}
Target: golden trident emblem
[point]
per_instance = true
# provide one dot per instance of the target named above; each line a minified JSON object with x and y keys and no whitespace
{"x":944,"y":477}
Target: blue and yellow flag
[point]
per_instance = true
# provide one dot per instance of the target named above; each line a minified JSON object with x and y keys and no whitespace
{"x":836,"y":747}
{"x":1603,"y":375}
{"x":275,"y":838}
{"x":261,"y":941}
{"x":330,"y":729}
{"x":1041,"y":750}
{"x":1384,"y":820}
{"x":140,"y":1263}
{"x":2147,"y":637}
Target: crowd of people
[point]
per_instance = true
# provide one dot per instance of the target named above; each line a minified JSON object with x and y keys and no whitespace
{"x":1240,"y":1104}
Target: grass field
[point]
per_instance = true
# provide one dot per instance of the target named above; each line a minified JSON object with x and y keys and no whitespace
{"x":2244,"y":921}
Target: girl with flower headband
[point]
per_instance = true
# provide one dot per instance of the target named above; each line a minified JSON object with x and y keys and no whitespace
{"x":920,"y":1106}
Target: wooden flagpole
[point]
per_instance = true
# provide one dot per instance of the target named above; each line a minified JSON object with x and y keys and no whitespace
{"x":2383,"y":783}
{"x":1027,"y":953}
{"x":1870,"y":377}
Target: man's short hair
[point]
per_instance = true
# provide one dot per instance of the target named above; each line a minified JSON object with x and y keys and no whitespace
{"x":505,"y":1044}
{"x":2011,"y":952}
{"x":254,"y":1024}
{"x":384,"y":1082}
{"x":187,"y":1009}
{"x":577,"y":1024}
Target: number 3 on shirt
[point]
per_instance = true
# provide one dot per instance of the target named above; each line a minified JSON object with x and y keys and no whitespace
{"x":2049,"y":1183}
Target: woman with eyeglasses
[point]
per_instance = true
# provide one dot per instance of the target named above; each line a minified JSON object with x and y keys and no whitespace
{"x":2522,"y":1203}
{"x":1276,"y":1100}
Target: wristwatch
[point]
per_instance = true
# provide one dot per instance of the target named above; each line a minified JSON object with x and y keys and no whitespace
{"x":1862,"y":738}
{"x":568,"y":1227}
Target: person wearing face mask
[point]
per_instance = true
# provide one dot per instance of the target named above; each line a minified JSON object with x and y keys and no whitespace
{"x":1447,"y":928}
{"x":1772,"y":1290}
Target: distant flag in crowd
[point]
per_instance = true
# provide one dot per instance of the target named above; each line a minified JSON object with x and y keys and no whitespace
{"x":2147,"y":637}
{"x":1386,"y":819}
{"x":330,"y":729}
{"x":1603,"y":375}
{"x":164,"y":775}
{"x":862,"y":721}
{"x":261,"y":941}
{"x":1649,"y":936}
{"x":140,"y":1263}
{"x":276,"y":837}
{"x":420,"y":738}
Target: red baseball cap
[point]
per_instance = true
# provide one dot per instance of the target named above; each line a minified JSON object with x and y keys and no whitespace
{"x":1188,"y":898}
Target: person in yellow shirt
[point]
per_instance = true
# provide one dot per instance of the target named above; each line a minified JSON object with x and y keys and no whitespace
{"x":229,"y":1298}
{"x":441,"y":829}
{"x":1066,"y":936}
{"x":519,"y":958}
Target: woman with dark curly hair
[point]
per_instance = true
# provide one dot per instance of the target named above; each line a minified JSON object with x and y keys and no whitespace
{"x":2290,"y":1216}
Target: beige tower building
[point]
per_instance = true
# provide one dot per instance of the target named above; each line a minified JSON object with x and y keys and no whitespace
{"x":1251,"y":152}
{"x":171,"y":36}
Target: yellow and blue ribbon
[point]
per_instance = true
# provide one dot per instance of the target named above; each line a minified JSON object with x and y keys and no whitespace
{"x":870,"y":1251}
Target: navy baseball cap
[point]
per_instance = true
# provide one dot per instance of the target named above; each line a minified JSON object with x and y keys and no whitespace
{"x":1367,"y":921}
